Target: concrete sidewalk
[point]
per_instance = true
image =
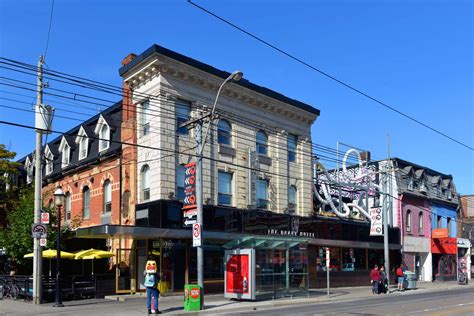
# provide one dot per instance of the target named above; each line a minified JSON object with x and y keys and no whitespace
{"x":214,"y":304}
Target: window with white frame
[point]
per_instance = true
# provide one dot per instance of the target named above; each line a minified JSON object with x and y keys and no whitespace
{"x":83,"y":142}
{"x":408,"y":221}
{"x":86,"y":203}
{"x":104,"y":136}
{"x":183,"y":113}
{"x":291,"y":198}
{"x":448,"y":224}
{"x":29,"y":170}
{"x":262,"y":194}
{"x":67,"y":206}
{"x":66,"y":156}
{"x":292,"y":139}
{"x":225,"y":188}
{"x":224,"y":132}
{"x":262,"y":143}
{"x":145,"y":118}
{"x":180,"y":175}
{"x":420,"y":223}
{"x":145,"y":182}
{"x":410,"y":183}
{"x":107,"y":195}
{"x":49,"y":161}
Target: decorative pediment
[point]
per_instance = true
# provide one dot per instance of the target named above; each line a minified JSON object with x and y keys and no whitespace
{"x":48,"y":152}
{"x":64,"y":144}
{"x":81,"y":134}
{"x":100,"y":122}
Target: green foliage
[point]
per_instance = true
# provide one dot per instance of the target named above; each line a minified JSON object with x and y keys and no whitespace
{"x":16,"y":238}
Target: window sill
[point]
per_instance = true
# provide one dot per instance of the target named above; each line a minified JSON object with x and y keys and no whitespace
{"x":264,"y":159}
{"x":226,"y":150}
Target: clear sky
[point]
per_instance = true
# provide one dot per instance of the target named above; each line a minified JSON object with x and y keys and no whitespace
{"x":414,"y":55}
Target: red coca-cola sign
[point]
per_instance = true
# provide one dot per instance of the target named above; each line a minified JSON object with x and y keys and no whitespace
{"x":195,"y":293}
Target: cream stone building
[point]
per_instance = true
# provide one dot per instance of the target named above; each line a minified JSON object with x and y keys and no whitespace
{"x":169,"y":89}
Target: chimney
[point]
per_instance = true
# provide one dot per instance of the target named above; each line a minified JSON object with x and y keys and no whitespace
{"x":128,"y":59}
{"x":365,"y":156}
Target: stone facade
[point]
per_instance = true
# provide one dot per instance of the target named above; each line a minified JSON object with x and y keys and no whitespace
{"x":171,"y":82}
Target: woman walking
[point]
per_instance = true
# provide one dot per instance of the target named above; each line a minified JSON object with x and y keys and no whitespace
{"x":375,"y":279}
{"x":383,"y":287}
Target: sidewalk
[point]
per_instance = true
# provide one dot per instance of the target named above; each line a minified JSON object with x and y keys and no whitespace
{"x":214,"y":304}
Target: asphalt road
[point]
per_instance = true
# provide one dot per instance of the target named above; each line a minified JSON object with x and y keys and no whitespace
{"x":450,"y":302}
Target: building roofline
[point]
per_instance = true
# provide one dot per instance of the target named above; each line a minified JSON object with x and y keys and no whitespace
{"x":216,"y":72}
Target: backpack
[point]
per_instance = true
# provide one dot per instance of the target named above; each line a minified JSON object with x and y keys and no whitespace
{"x":150,"y":280}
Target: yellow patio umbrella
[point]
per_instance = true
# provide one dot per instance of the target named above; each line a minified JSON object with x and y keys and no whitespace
{"x":93,"y":254}
{"x":51,"y":254}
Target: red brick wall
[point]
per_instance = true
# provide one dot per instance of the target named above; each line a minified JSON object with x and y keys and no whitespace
{"x":93,"y":177}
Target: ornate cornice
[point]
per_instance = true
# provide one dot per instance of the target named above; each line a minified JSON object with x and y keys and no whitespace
{"x":209,"y":82}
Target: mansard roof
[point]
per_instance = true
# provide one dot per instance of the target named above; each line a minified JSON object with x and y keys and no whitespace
{"x":113,"y":116}
{"x":156,"y":49}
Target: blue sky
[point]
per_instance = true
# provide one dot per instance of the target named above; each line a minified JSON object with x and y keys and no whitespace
{"x":414,"y":55}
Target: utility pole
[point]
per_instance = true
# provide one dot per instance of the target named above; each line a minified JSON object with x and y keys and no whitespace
{"x":387,"y":192}
{"x":38,"y":255}
{"x":200,"y":255}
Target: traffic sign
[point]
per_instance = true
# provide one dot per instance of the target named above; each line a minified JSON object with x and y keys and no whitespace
{"x":43,"y":242}
{"x":190,"y":222}
{"x":44,"y":218}
{"x":38,"y":230}
{"x":196,"y":235}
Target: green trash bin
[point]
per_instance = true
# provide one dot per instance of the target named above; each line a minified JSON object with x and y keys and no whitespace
{"x":193,"y":298}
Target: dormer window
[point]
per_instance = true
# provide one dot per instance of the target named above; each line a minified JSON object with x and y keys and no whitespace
{"x":410,"y":182}
{"x":104,"y":138}
{"x":65,"y":150}
{"x":83,"y":141}
{"x":49,"y":160}
{"x":29,"y":170}
{"x":423,"y":187}
{"x":103,"y":130}
{"x":450,"y":194}
{"x":66,"y":155}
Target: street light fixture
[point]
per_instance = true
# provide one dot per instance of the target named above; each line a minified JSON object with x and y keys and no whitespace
{"x":58,"y":201}
{"x":235,"y":76}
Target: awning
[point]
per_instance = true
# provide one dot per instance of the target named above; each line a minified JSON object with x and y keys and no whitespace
{"x":263,"y":242}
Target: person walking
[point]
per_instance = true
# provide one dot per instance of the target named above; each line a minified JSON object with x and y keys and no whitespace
{"x":383,"y":287}
{"x":375,"y":279}
{"x":400,"y":277}
{"x":152,"y":278}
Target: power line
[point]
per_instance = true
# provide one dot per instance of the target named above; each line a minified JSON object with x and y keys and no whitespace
{"x":327,"y":75}
{"x":49,"y":29}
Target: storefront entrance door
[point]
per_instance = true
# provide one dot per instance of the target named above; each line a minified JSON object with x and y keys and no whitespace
{"x":125,"y":268}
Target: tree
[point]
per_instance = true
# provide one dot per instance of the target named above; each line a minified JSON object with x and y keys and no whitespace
{"x":8,"y":188}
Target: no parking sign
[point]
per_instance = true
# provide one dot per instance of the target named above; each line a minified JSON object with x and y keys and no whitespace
{"x":196,"y":235}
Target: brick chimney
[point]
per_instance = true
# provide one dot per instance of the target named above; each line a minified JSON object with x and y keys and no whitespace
{"x":128,"y":59}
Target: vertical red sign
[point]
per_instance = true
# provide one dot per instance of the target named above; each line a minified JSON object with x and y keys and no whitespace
{"x":190,"y":186}
{"x":237,"y":278}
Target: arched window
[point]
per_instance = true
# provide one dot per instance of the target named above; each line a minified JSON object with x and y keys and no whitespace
{"x":448,"y":224}
{"x":145,"y":182}
{"x":107,"y":192}
{"x":420,"y":223}
{"x":180,"y":174}
{"x":104,"y":137}
{"x":292,"y":198}
{"x":224,"y":132}
{"x":86,"y":203}
{"x":262,"y":143}
{"x":67,"y":206}
{"x":408,"y":221}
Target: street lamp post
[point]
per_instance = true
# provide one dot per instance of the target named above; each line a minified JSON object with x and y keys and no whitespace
{"x":58,"y":201}
{"x":201,"y":141}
